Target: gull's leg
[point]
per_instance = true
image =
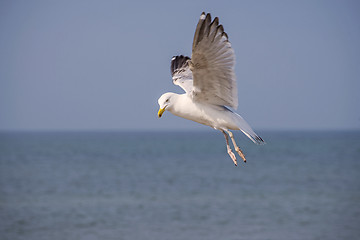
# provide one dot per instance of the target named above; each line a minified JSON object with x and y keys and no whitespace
{"x":231,"y":154}
{"x":237,"y":149}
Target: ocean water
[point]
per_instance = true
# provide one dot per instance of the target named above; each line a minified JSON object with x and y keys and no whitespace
{"x":178,"y":185}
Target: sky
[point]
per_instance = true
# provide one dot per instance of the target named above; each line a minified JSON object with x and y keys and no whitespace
{"x":102,"y":65}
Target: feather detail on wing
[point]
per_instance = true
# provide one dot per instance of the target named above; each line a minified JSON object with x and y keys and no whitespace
{"x":181,"y":73}
{"x":212,"y":64}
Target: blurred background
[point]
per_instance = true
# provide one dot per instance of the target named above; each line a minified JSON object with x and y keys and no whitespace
{"x":70,"y":65}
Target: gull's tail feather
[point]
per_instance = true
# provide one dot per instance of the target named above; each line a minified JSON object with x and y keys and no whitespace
{"x":248,"y":131}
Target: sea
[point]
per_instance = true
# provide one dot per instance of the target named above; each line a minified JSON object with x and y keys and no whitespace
{"x":179,"y":185}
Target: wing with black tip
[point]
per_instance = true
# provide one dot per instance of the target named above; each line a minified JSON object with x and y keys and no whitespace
{"x":212,"y":64}
{"x":181,"y":73}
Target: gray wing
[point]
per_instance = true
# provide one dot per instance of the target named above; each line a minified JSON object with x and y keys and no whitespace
{"x":212,"y":64}
{"x":181,"y":73}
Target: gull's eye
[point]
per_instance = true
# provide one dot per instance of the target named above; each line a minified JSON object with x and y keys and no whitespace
{"x":167,"y":100}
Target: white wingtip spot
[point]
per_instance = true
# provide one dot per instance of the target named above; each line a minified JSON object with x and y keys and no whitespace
{"x":202,"y":17}
{"x":173,"y":58}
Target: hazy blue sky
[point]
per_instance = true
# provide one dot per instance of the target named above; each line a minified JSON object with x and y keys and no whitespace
{"x":103,"y":64}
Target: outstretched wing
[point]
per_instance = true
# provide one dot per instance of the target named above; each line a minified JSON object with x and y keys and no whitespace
{"x":212,"y":64}
{"x":181,"y":73}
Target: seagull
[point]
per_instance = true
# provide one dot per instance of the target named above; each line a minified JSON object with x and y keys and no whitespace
{"x":208,"y":79}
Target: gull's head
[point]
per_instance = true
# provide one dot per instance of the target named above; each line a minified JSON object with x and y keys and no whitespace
{"x":164,"y":102}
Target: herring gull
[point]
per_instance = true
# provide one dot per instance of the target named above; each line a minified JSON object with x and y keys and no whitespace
{"x":208,"y":79}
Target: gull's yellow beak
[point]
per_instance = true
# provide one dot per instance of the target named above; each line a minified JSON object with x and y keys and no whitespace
{"x":161,"y":111}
